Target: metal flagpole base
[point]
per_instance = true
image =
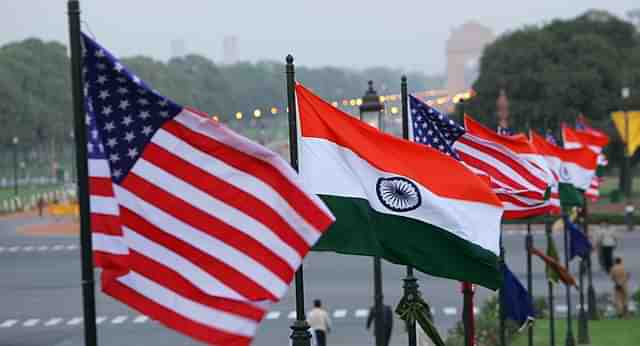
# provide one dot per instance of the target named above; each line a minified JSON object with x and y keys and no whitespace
{"x":592,"y":303}
{"x":300,"y":335}
{"x":583,"y":327}
{"x":411,"y":293}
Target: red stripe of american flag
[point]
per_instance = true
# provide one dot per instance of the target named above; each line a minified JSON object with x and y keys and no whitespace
{"x":221,"y":144}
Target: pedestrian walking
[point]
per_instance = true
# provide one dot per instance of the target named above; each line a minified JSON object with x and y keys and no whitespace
{"x":319,"y":321}
{"x":608,"y":242}
{"x":387,"y":322}
{"x":40,"y":206}
{"x":620,"y":290}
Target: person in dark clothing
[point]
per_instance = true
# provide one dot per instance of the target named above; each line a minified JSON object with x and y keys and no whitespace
{"x":387,"y":322}
{"x":40,"y":206}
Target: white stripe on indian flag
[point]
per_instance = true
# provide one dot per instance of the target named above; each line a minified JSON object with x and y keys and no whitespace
{"x":330,"y":169}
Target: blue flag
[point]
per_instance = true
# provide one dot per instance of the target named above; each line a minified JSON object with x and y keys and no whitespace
{"x":515,"y":299}
{"x":579,"y":244}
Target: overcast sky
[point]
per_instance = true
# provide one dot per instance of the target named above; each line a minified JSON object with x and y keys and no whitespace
{"x":354,"y":33}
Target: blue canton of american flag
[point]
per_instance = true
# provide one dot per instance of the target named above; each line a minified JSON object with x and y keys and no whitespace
{"x":123,"y":113}
{"x":432,"y":128}
{"x":505,"y":131}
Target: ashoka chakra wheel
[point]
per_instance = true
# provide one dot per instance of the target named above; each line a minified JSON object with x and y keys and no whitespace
{"x":398,"y":194}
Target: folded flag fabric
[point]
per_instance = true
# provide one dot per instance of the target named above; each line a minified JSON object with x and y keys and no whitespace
{"x":579,"y":244}
{"x":554,"y":264}
{"x":396,"y":199}
{"x":586,"y":136}
{"x":552,"y":252}
{"x":194,"y":226}
{"x":573,"y":168}
{"x":515,"y":299}
{"x":522,"y":186}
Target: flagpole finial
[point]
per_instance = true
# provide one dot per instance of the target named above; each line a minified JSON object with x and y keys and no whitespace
{"x":289,"y":59}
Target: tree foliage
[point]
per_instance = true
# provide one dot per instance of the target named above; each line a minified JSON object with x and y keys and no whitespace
{"x":36,"y":95}
{"x":554,"y":72}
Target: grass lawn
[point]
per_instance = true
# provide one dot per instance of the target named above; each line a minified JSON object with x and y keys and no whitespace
{"x":603,"y":333}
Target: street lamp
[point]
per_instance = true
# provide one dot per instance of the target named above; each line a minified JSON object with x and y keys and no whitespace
{"x":371,"y":112}
{"x":628,"y":210}
{"x":15,"y":165}
{"x":371,"y":108}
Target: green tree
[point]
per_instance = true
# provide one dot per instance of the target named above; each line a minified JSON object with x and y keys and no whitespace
{"x":554,"y":72}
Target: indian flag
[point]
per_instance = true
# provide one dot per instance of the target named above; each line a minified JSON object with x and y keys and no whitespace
{"x":574,"y":168}
{"x":399,"y":200}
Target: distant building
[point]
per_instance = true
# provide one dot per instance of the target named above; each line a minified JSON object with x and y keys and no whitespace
{"x":178,"y":48}
{"x":230,"y":50}
{"x":464,"y":48}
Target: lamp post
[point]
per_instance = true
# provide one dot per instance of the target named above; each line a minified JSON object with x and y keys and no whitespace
{"x":15,"y":165}
{"x":371,"y":112}
{"x":628,"y":210}
{"x":371,"y":109}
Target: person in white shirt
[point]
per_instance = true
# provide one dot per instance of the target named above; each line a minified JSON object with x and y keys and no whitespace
{"x":608,"y":242}
{"x":319,"y":321}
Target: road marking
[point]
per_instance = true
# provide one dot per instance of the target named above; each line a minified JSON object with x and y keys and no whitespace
{"x":273,"y":315}
{"x":8,"y":323}
{"x":361,"y":313}
{"x":141,"y":319}
{"x":53,"y":322}
{"x":100,"y":319}
{"x":31,"y":322}
{"x":74,"y":321}
{"x":292,"y":315}
{"x":450,"y":311}
{"x":341,"y":313}
{"x":29,"y":248}
{"x":119,"y":319}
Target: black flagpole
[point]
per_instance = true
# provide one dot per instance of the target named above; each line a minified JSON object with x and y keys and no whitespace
{"x":569,"y":341}
{"x":591,"y":292}
{"x":501,"y":311}
{"x":583,"y":324}
{"x":410,"y":282}
{"x":80,"y":135}
{"x":552,"y":330}
{"x":300,"y":335}
{"x":467,"y":293}
{"x":528,"y":246}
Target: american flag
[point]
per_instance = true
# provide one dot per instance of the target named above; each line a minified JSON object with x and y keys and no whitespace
{"x":432,"y":128}
{"x":515,"y":181}
{"x":193,"y":225}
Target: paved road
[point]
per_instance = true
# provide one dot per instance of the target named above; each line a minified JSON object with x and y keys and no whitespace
{"x":40,"y":295}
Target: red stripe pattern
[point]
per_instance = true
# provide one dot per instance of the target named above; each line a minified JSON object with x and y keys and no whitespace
{"x":198,"y":227}
{"x":519,"y":184}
